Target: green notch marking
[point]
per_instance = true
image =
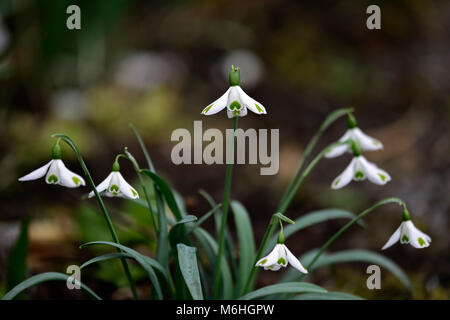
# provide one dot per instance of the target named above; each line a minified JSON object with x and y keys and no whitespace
{"x":76,"y":180}
{"x":405,"y":238}
{"x":281,"y":261}
{"x":421,"y":241}
{"x":382,"y":176}
{"x":235,"y":105}
{"x":53,"y":179}
{"x":359,"y":175}
{"x":207,"y":108}
{"x":114,"y":187}
{"x":259,"y":108}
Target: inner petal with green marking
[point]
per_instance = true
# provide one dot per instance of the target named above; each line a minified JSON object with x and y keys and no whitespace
{"x":281,"y":261}
{"x":52,"y":179}
{"x":359,"y":175}
{"x":235,"y":105}
{"x":114,"y":189}
{"x":405,"y":239}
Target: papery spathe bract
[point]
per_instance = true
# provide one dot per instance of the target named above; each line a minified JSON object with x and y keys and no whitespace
{"x":408,"y":233}
{"x":280,"y":257}
{"x":115,"y":186}
{"x":55,"y":172}
{"x":360,"y":169}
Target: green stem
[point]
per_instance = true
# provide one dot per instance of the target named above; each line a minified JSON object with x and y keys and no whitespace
{"x":69,"y":141}
{"x":330,"y":119}
{"x":225,"y":202}
{"x":285,"y":204}
{"x":131,"y":158}
{"x":348,"y":225}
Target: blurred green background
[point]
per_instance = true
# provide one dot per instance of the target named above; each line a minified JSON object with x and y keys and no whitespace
{"x":157,"y":64}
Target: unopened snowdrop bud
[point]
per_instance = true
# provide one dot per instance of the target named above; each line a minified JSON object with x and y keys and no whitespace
{"x":115,"y":185}
{"x":234,"y":99}
{"x":55,"y":172}
{"x":408,"y":233}
{"x":365,"y":142}
{"x":359,"y":169}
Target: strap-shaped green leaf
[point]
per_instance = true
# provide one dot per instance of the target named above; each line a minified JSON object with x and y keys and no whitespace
{"x":327,"y":296}
{"x":246,"y":245}
{"x":139,"y":258}
{"x":287,"y":287}
{"x":187,"y":259}
{"x":44,"y":277}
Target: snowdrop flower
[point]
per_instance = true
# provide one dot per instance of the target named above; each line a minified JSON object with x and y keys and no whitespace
{"x":360,"y":169}
{"x":115,"y":185}
{"x":280,"y":257}
{"x":55,"y":172}
{"x":354,"y":133}
{"x":408,"y":233}
{"x":235,"y":100}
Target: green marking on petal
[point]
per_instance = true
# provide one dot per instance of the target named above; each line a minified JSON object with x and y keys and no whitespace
{"x":263,"y":261}
{"x":235,"y":105}
{"x":359,"y":175}
{"x":421,"y":241}
{"x":76,"y":180}
{"x":336,"y":182}
{"x":376,"y":143}
{"x":281,"y":261}
{"x":207,"y":108}
{"x":114,"y":188}
{"x":53,"y":179}
{"x":133,"y":192}
{"x":382,"y":176}
{"x":405,"y":238}
{"x":236,"y":112}
{"x":258,"y":108}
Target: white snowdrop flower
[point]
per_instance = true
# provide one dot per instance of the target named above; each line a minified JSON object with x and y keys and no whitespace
{"x":408,"y":233}
{"x":280,"y":257}
{"x":360,"y":169}
{"x":235,"y":100}
{"x":115,"y":186}
{"x":55,"y":172}
{"x":366,"y":143}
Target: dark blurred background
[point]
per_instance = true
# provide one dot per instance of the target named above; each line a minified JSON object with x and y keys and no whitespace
{"x":157,"y":64}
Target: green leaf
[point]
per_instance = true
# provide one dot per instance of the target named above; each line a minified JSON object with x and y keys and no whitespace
{"x":44,"y":277}
{"x":357,"y":255}
{"x":167,"y":193}
{"x":310,"y":219}
{"x":138,"y":257}
{"x":210,"y":246}
{"x":186,"y":219}
{"x":287,"y":287}
{"x":246,"y":245}
{"x":327,"y":296}
{"x":187,"y":259}
{"x":282,"y":217}
{"x":16,"y":269}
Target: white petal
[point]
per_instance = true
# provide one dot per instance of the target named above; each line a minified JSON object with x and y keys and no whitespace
{"x":127,"y":190}
{"x":345,"y":177}
{"x":341,"y":149}
{"x":68,"y":178}
{"x":293,"y":261}
{"x":393,"y":239}
{"x":36,"y":174}
{"x":250,"y":103}
{"x":270,"y":259}
{"x":53,"y":176}
{"x":359,"y":172}
{"x":113,"y":189}
{"x":217,"y":105}
{"x":417,"y":238}
{"x":274,"y":267}
{"x":366,"y":143}
{"x":373,"y":173}
{"x":102,"y":186}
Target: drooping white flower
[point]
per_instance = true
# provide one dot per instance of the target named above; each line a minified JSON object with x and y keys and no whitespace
{"x":280,"y":257}
{"x":235,"y":100}
{"x":115,"y":186}
{"x":365,"y":142}
{"x":408,"y":233}
{"x":55,"y":172}
{"x":360,"y":169}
